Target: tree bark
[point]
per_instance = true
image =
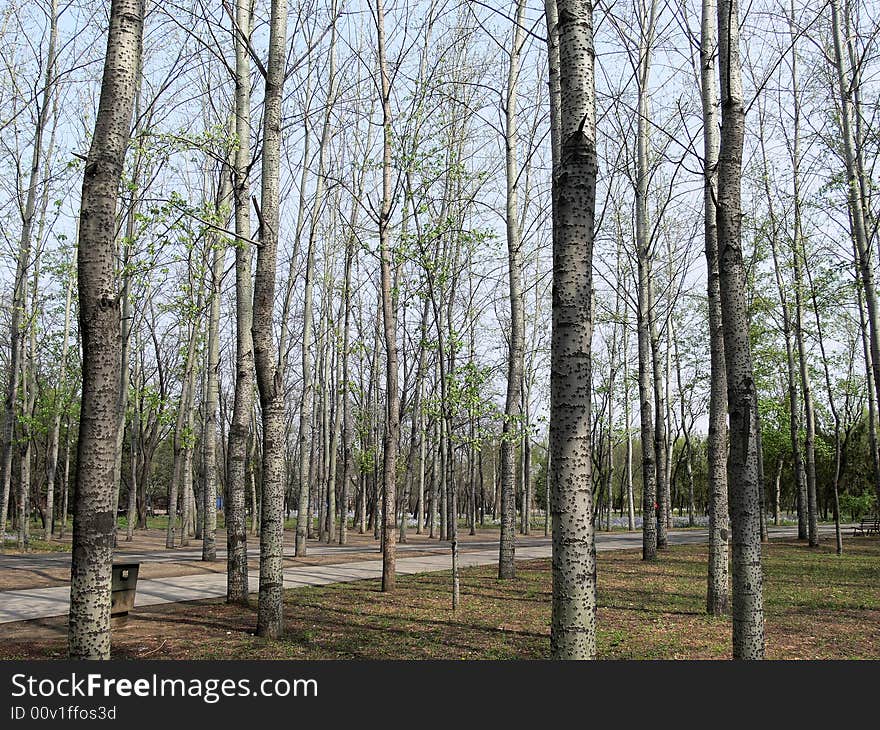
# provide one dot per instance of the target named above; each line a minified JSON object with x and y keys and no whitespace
{"x":347,"y":425}
{"x":28,"y":403}
{"x":857,"y":215}
{"x":794,"y":408}
{"x":650,"y":482}
{"x":212,"y":383}
{"x":237,"y":449}
{"x":718,"y":587}
{"x":52,"y":446}
{"x":573,"y":622}
{"x":797,"y":254}
{"x":188,"y":434}
{"x":99,"y":312}
{"x":511,"y":425}
{"x":742,"y":466}
{"x":61,"y":387}
{"x":685,"y":429}
{"x":389,"y":320}
{"x":270,"y":378}
{"x":872,"y":396}
{"x":660,"y":449}
{"x":180,"y":443}
{"x":630,"y":500}
{"x":835,"y":413}
{"x":65,"y":484}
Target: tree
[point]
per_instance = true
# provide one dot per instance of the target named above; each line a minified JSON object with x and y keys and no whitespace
{"x":181,"y":474}
{"x":742,"y":464}
{"x":236,"y":453}
{"x":718,"y":588}
{"x":23,"y":262}
{"x":270,"y":610}
{"x":512,"y":408}
{"x":573,"y":623}
{"x":796,"y":256}
{"x":63,"y":395}
{"x":389,"y":321}
{"x":99,"y":314}
{"x":855,"y":187}
{"x":212,"y":386}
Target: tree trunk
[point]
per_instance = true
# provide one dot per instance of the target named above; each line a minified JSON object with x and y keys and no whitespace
{"x":305,"y":418}
{"x":526,"y":469}
{"x":742,"y":466}
{"x":212,"y":384}
{"x":685,"y":428}
{"x":838,"y":446}
{"x":236,"y":451}
{"x":389,"y":319}
{"x":182,"y":437}
{"x":416,"y":444}
{"x":718,"y":588}
{"x":609,"y":476}
{"x":432,"y":507}
{"x":335,"y":435}
{"x":872,"y":399}
{"x":797,"y":253}
{"x":651,"y":497}
{"x":759,"y":447}
{"x":54,"y":436}
{"x":512,"y":413}
{"x":127,"y":244}
{"x":347,"y":425}
{"x":856,"y":204}
{"x":28,"y":402}
{"x":776,"y":501}
{"x":322,"y":425}
{"x":99,"y":312}
{"x":52,"y":441}
{"x":188,"y":404}
{"x":65,"y":485}
{"x":630,"y":500}
{"x":660,"y":451}
{"x":134,"y":450}
{"x":251,"y":477}
{"x":270,"y":377}
{"x":794,"y":408}
{"x":573,"y":622}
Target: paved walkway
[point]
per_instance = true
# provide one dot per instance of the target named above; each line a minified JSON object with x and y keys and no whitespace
{"x":30,"y":561}
{"x":23,"y":605}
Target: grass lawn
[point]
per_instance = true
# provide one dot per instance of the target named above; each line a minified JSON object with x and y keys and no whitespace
{"x":36,"y":545}
{"x":818,"y":606}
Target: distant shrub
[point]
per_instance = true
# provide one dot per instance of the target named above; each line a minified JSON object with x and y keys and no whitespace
{"x":858,"y":505}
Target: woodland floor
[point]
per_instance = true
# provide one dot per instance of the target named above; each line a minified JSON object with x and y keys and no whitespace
{"x":818,"y":606}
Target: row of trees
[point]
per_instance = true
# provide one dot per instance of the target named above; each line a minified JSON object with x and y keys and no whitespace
{"x":314,"y":263}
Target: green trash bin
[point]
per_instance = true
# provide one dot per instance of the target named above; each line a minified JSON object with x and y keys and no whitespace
{"x":124,"y":586}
